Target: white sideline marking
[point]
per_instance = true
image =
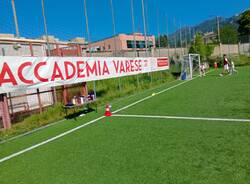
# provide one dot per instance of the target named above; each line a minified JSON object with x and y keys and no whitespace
{"x":183,"y":118}
{"x":148,"y":97}
{"x":55,"y":123}
{"x":50,"y":140}
{"x":31,"y":132}
{"x":84,"y":125}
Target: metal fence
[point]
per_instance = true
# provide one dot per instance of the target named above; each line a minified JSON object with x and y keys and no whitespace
{"x":244,"y":44}
{"x":22,"y":104}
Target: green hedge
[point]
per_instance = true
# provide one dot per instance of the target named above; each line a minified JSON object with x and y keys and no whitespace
{"x":239,"y":60}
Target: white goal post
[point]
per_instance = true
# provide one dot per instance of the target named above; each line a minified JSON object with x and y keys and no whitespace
{"x":190,"y":66}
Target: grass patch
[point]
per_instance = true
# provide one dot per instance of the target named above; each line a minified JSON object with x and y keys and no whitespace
{"x":50,"y":115}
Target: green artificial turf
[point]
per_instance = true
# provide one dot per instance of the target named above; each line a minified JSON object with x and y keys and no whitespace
{"x":118,"y":150}
{"x":29,"y":140}
{"x":142,"y":150}
{"x":210,"y":96}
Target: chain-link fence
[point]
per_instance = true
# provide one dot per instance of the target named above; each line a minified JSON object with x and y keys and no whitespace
{"x":244,"y":45}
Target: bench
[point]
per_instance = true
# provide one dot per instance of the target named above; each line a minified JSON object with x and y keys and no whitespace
{"x":76,"y":106}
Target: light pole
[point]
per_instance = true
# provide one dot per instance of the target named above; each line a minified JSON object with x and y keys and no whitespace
{"x":114,"y":27}
{"x":89,"y":39}
{"x":158,"y":32}
{"x":48,"y":46}
{"x":181,"y":39}
{"x":167,"y":34}
{"x":133,"y":26}
{"x":218,"y":32}
{"x":175,"y":39}
{"x":144,"y":26}
{"x":114,"y":39}
{"x":217,"y":23}
{"x":133,"y":30}
{"x":45,"y":27}
{"x":15,"y":18}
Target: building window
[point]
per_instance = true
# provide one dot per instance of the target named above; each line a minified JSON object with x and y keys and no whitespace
{"x":139,"y":44}
{"x":150,"y":44}
{"x":130,"y":44}
{"x":109,"y":47}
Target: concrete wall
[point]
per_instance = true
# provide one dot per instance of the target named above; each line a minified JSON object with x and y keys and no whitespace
{"x":24,"y":50}
{"x":244,"y":49}
{"x":162,"y":52}
{"x":233,"y":49}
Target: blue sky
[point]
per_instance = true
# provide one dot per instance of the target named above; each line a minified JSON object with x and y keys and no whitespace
{"x":65,"y":18}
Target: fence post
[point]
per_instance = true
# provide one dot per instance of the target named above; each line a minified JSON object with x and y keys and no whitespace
{"x":65,"y":94}
{"x":39,"y":101}
{"x":5,"y":111}
{"x":3,"y":52}
{"x":228,"y":47}
{"x":31,"y":49}
{"x":249,"y":44}
{"x":85,"y":89}
{"x":243,"y":48}
{"x":11,"y":105}
{"x":238,"y":48}
{"x":79,"y":50}
{"x":37,"y":90}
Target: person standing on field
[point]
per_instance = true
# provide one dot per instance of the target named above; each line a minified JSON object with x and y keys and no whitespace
{"x":232,"y":68}
{"x":225,"y":65}
{"x":202,"y":70}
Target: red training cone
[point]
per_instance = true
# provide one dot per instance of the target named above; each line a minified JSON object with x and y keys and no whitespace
{"x":108,"y":112}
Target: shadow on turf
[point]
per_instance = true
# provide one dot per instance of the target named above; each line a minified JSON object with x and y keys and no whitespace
{"x":79,"y":113}
{"x":218,"y":75}
{"x":213,"y":75}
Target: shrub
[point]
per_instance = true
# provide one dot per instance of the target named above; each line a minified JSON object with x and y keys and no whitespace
{"x":240,"y":60}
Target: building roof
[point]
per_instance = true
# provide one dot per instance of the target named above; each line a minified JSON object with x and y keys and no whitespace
{"x":136,"y":34}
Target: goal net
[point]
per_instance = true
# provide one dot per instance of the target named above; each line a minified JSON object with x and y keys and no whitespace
{"x":190,"y":66}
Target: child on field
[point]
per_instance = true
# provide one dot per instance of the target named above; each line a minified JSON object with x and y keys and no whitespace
{"x":232,"y":69}
{"x":215,"y":66}
{"x":225,"y":65}
{"x":203,"y":70}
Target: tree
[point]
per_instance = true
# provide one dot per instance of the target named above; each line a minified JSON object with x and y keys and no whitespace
{"x":244,"y":23}
{"x":228,"y":34}
{"x":199,"y":47}
{"x":163,"y":41}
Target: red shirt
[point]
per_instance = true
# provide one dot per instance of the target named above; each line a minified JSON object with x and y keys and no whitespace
{"x":225,"y":61}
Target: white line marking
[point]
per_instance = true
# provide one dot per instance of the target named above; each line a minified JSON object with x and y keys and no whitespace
{"x":50,"y":140}
{"x":55,"y":123}
{"x":32,"y":131}
{"x":182,"y":117}
{"x":148,"y":97}
{"x":84,"y":125}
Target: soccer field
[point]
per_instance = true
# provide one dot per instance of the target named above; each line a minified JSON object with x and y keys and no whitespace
{"x":187,"y":132}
